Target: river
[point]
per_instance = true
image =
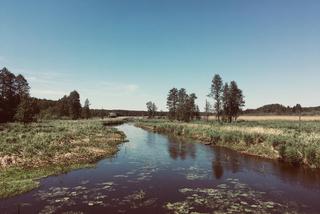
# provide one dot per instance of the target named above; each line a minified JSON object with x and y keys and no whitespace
{"x":155,"y":173}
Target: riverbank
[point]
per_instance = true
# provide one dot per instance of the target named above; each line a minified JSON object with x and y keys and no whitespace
{"x":33,"y":151}
{"x":284,"y":140}
{"x":117,"y":121}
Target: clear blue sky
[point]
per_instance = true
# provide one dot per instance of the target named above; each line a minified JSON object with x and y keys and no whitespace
{"x":122,"y":53}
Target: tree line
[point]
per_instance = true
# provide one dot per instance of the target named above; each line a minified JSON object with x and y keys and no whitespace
{"x":182,"y":106}
{"x":279,"y":109}
{"x":228,"y":101}
{"x":16,"y":104}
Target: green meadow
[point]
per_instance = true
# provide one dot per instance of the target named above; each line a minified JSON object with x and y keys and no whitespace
{"x":33,"y":151}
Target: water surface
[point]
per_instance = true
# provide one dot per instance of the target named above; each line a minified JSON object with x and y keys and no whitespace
{"x":163,"y":174}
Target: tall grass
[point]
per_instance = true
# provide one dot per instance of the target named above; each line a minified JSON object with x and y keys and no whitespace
{"x":29,"y":152}
{"x":271,"y":139}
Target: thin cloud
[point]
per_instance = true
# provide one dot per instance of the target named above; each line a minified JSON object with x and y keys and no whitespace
{"x":47,"y":93}
{"x":119,"y":88}
{"x":42,"y":76}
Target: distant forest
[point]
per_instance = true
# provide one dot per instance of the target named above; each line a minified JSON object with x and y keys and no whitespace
{"x":16,"y":104}
{"x":278,"y":109}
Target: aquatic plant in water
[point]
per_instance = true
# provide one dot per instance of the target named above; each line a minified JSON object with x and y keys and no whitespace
{"x":230,"y":197}
{"x":61,"y":197}
{"x":194,"y":173}
{"x":57,"y":198}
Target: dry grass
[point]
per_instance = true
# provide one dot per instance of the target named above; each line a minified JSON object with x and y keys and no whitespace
{"x":276,"y":139}
{"x":275,"y":117}
{"x":244,"y":129}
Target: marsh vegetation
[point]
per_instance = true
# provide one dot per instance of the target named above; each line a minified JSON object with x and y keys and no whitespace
{"x":45,"y":137}
{"x":284,"y":140}
{"x":29,"y":152}
{"x":202,"y":179}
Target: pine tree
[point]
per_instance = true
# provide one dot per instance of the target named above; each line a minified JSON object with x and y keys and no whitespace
{"x":226,"y":103}
{"x":21,"y":86}
{"x":237,"y":100}
{"x":232,"y":101}
{"x":74,"y":105}
{"x":191,"y":106}
{"x":86,"y":109}
{"x":172,"y":101}
{"x":181,"y":105}
{"x":216,"y":94}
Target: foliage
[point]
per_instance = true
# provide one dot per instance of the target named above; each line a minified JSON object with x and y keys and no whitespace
{"x":278,"y":109}
{"x":172,"y":103}
{"x":216,"y":94}
{"x":228,"y":99}
{"x":16,"y":103}
{"x":182,"y":106}
{"x":26,"y":111}
{"x":74,"y":105}
{"x":152,"y":109}
{"x":12,"y":89}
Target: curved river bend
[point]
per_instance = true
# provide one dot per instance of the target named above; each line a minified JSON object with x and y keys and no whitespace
{"x":163,"y":174}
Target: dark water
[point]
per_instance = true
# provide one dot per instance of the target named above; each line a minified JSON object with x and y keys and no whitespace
{"x":160,"y":174}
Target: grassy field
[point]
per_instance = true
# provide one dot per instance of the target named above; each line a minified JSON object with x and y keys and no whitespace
{"x":276,"y":118}
{"x":275,"y":139}
{"x":30,"y":152}
{"x":279,"y":117}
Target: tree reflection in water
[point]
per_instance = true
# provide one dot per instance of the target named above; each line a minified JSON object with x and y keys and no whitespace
{"x":217,"y":169}
{"x":179,"y":148}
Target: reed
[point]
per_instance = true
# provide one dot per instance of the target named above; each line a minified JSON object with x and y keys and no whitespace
{"x":282,"y":140}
